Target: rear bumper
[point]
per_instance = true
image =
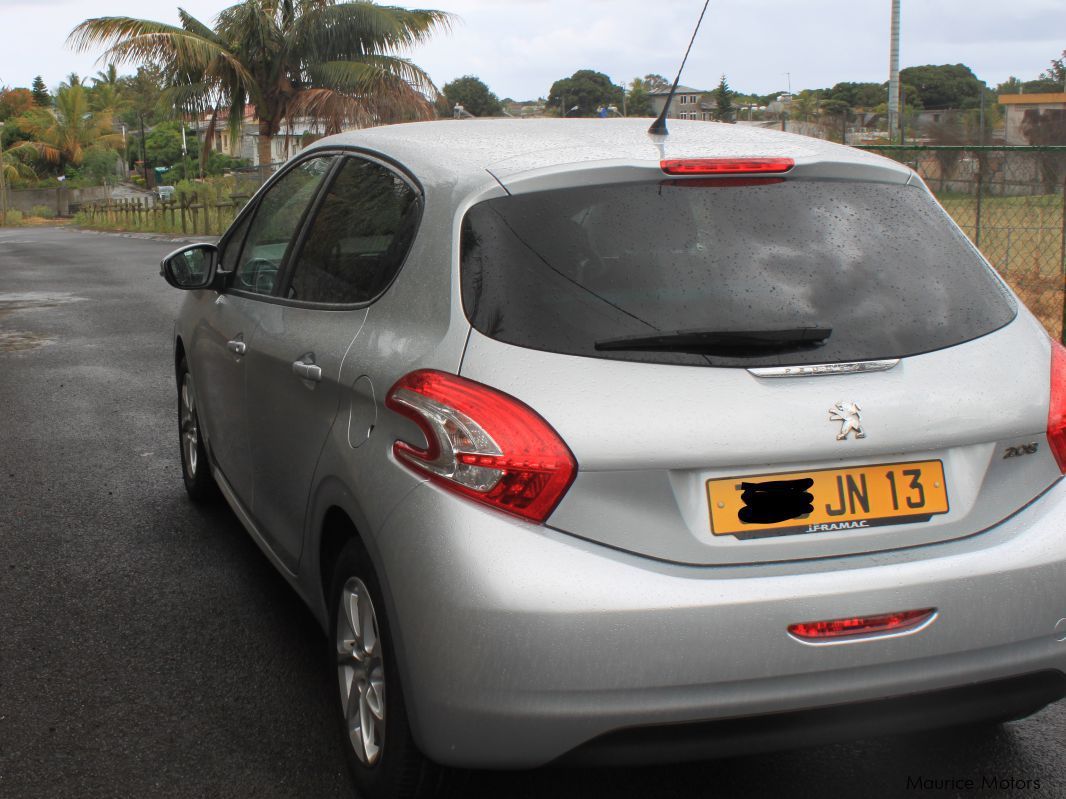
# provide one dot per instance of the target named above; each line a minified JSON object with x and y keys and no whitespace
{"x":1015,"y":697}
{"x":519,"y":644}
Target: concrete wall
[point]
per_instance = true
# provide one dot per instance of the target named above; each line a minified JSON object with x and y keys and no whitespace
{"x":59,"y":200}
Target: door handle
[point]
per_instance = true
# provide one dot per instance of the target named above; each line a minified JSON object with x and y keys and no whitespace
{"x":237,"y":347}
{"x":307,"y":371}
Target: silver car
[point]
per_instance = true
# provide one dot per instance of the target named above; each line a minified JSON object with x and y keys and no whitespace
{"x":589,"y":446}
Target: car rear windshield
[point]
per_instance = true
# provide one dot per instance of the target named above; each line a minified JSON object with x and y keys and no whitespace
{"x":876,"y":270}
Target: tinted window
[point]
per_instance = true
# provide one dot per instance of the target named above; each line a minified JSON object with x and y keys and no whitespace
{"x":879,"y":264}
{"x":231,"y":247}
{"x":275,"y":223}
{"x":359,"y":238}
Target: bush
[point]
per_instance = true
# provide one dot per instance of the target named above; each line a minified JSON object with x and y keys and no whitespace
{"x":217,"y":164}
{"x":43,"y":211}
{"x":14,"y":218}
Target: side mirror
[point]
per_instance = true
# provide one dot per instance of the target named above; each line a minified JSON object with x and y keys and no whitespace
{"x":191,"y":267}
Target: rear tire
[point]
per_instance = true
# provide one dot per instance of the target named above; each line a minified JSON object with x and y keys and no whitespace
{"x":382,"y":756}
{"x":195,"y":467}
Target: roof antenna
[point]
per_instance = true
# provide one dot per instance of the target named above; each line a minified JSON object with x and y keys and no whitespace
{"x":658,"y":127}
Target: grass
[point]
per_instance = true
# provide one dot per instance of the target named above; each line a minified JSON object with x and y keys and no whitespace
{"x":18,"y":219}
{"x":1022,"y":238}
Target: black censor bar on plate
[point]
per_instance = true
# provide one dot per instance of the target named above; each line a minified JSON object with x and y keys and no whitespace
{"x":776,"y":501}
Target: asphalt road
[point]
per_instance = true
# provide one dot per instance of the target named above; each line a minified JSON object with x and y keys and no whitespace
{"x":147,"y":648}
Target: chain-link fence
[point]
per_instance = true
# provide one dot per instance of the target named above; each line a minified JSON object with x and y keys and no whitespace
{"x":1009,"y":201}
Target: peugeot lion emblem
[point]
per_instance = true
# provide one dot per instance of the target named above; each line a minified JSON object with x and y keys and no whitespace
{"x":847,"y":413}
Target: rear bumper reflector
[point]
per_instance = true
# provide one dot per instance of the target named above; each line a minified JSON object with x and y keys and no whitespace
{"x":855,"y":626}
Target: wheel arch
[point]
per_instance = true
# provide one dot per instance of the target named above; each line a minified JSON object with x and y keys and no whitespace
{"x":337,"y":530}
{"x":179,"y":353}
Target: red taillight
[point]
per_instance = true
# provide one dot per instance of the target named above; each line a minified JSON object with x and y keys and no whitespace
{"x":1056,"y":417}
{"x":861,"y":625}
{"x":483,"y":444}
{"x":726,"y":166}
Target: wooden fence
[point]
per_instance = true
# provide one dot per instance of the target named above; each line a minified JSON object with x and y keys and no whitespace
{"x":188,"y":214}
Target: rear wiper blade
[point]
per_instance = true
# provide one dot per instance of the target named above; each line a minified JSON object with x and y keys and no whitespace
{"x":717,"y":341}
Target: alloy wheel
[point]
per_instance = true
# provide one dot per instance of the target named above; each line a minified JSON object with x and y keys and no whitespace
{"x":190,"y":428}
{"x":361,"y":671}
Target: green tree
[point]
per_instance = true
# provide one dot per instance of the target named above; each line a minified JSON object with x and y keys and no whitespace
{"x":163,"y":144}
{"x":335,"y":62}
{"x":655,"y":82}
{"x":40,"y":93}
{"x":858,"y":95}
{"x":805,"y":105}
{"x":15,"y":163}
{"x":944,"y":86}
{"x":143,"y":93}
{"x":1056,"y":73}
{"x":472,"y":94}
{"x":99,"y":164}
{"x":586,"y":89}
{"x":638,"y":102}
{"x":108,"y":77}
{"x":62,"y":135}
{"x":108,"y":98}
{"x":837,"y":112}
{"x":723,"y":98}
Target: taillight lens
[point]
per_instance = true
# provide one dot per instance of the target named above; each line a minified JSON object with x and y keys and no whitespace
{"x":1056,"y":418}
{"x":482,"y":444}
{"x":861,"y":625}
{"x":726,"y":166}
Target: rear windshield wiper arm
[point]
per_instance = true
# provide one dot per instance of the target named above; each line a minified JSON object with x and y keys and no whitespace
{"x":717,"y":341}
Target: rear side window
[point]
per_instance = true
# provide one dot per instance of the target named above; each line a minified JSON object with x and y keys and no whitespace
{"x":359,"y":237}
{"x":879,"y":265}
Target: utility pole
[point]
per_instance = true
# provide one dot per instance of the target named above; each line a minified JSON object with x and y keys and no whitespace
{"x":893,"y":75}
{"x":981,"y":135}
{"x":144,"y":154}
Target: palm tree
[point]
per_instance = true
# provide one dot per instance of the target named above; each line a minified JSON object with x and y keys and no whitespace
{"x":106,"y":78}
{"x":334,"y":62}
{"x":13,"y":162}
{"x":62,"y":135}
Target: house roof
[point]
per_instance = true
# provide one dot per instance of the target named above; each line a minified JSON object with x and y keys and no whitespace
{"x":1040,"y":98}
{"x":680,"y":90}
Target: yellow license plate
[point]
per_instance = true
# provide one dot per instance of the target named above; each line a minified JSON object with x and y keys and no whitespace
{"x":840,"y":499}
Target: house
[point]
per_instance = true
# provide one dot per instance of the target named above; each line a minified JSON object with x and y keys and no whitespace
{"x":291,"y":139}
{"x":688,"y":103}
{"x":1019,"y":108}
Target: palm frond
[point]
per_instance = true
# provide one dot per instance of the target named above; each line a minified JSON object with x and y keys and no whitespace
{"x":347,"y":30}
{"x":193,"y":25}
{"x":127,"y":39}
{"x":369,"y":73}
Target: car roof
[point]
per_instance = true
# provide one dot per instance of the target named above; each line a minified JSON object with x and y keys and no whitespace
{"x":465,"y":150}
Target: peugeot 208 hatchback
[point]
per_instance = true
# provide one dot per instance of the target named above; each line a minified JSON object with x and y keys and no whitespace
{"x":586,"y":445}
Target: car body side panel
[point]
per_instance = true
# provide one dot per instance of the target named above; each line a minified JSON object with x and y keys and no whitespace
{"x":212,"y":320}
{"x":412,"y":324}
{"x":289,"y":417}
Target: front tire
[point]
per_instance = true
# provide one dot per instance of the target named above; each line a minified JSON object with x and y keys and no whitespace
{"x":195,"y":468}
{"x":383,"y":759}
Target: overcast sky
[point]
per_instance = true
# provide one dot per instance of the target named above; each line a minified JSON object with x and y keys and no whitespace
{"x":519,"y":47}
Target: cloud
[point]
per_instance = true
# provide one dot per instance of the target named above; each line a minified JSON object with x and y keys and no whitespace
{"x":520,"y":47}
